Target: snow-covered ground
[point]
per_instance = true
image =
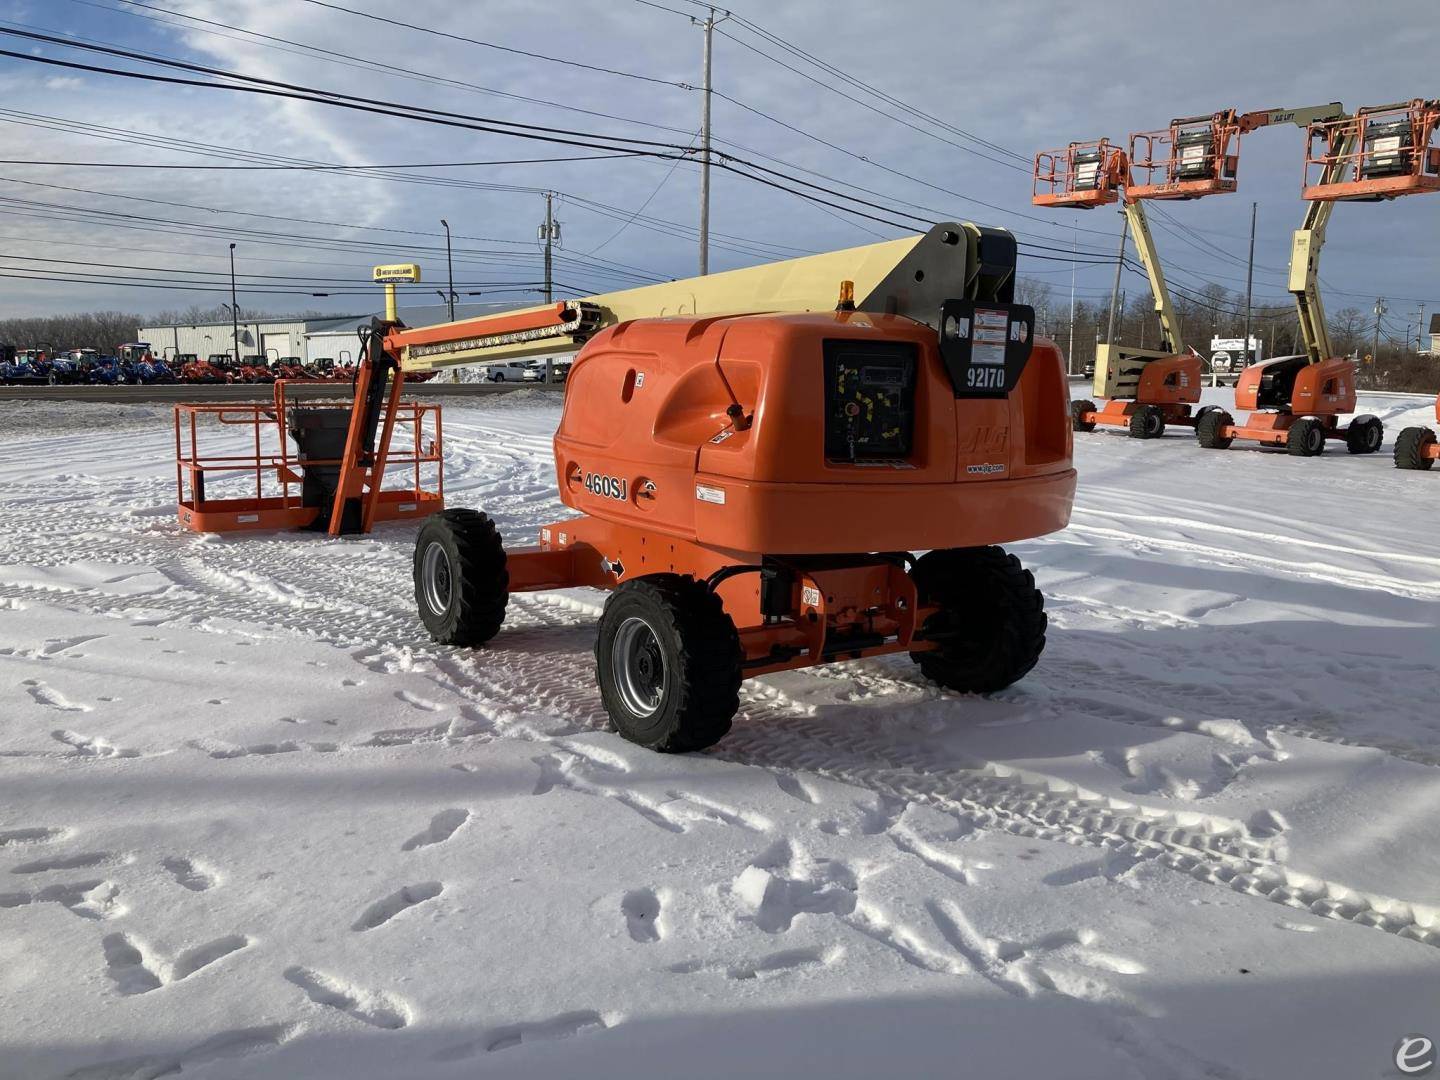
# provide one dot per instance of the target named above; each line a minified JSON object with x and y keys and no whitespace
{"x":253,"y":823}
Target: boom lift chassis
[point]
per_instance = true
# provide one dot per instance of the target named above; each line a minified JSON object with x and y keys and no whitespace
{"x":739,"y":530}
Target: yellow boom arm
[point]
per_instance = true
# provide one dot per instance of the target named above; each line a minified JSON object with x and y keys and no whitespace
{"x":911,"y":276}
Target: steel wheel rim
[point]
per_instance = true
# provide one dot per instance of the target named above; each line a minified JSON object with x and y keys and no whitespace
{"x":639,"y":664}
{"x":438,"y":582}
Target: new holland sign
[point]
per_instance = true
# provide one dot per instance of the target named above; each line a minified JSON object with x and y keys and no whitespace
{"x":398,"y":272}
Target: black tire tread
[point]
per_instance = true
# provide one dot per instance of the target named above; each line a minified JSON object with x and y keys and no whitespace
{"x":1297,"y":441}
{"x":1207,"y":429}
{"x":482,"y":583}
{"x":1356,"y":438}
{"x":1410,"y":448}
{"x":947,"y":577}
{"x":1078,"y":407}
{"x":1141,"y":420}
{"x":708,"y":671}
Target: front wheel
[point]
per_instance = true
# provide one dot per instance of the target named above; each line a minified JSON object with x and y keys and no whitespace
{"x":1306,"y":438}
{"x":1078,"y":409}
{"x":668,"y":663}
{"x":461,"y":583}
{"x":1364,"y":435}
{"x":990,"y":628}
{"x":1147,"y":422}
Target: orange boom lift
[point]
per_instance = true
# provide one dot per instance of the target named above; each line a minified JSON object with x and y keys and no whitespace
{"x":1146,"y":389}
{"x":1378,"y":154}
{"x":749,"y":458}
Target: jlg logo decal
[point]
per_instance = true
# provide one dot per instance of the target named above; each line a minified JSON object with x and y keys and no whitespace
{"x":608,"y":487}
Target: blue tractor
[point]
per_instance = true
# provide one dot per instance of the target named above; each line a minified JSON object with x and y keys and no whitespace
{"x":70,"y":366}
{"x":103,"y":370}
{"x":141,"y":365}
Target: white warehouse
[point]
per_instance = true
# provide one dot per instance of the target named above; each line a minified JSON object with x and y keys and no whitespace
{"x":332,"y":336}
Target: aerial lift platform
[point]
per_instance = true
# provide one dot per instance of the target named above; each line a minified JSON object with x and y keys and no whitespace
{"x":1145,"y":389}
{"x":748,"y":460}
{"x":1379,"y":153}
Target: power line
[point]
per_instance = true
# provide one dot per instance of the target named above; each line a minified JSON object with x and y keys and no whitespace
{"x":309,"y":168}
{"x":729,"y":162}
{"x":273,"y":88}
{"x":866,"y":105}
{"x":346,"y":59}
{"x":859,"y":84}
{"x":502,"y":48}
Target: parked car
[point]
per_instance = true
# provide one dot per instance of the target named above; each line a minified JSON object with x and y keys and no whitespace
{"x":558,"y":370}
{"x":506,"y":372}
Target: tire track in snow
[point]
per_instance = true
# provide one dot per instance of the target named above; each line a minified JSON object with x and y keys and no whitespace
{"x":311,"y":592}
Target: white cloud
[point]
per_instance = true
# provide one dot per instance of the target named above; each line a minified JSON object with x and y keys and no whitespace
{"x":1026,"y":75}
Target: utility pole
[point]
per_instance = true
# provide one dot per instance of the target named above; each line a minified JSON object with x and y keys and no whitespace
{"x":1420,"y":331}
{"x":234,"y":307}
{"x":1070,"y":355}
{"x":708,"y":26}
{"x":450,"y":268}
{"x":1249,"y":287}
{"x":549,"y":233}
{"x":1380,"y":310}
{"x":1115,"y":291}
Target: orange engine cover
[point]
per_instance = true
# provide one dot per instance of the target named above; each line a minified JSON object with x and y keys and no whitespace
{"x":1171,"y":380}
{"x":1292,"y":384}
{"x":715,"y":431}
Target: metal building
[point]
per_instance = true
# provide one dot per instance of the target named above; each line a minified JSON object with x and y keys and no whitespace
{"x":332,"y":336}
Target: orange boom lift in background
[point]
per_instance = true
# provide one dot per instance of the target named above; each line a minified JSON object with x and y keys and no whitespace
{"x":1146,"y":389}
{"x":1377,"y":154}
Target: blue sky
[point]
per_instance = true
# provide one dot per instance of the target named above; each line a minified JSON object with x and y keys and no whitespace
{"x":1023,"y":76}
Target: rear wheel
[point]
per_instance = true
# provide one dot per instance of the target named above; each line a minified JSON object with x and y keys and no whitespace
{"x":1078,"y":409}
{"x":461,"y":583}
{"x":1147,"y":422}
{"x":991,"y":624}
{"x":1364,"y":435}
{"x":1209,"y":427}
{"x":1412,"y":446}
{"x":668,"y":663}
{"x":1306,"y":438}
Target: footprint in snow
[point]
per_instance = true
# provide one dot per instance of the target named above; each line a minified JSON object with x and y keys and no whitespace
{"x":504,"y":1038}
{"x":442,"y":826}
{"x":386,"y":908}
{"x":192,"y":874}
{"x":641,"y":908}
{"x":374,"y":1007}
